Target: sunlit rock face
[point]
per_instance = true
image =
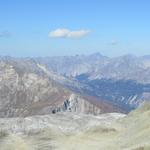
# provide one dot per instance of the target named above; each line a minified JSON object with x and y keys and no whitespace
{"x":69,"y":131}
{"x":77,"y":104}
{"x":63,"y":122}
{"x":61,"y":131}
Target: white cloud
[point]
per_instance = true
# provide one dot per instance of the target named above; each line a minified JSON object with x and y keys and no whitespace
{"x":66,"y":33}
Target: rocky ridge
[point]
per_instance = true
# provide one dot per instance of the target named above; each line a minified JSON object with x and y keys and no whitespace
{"x":25,"y":91}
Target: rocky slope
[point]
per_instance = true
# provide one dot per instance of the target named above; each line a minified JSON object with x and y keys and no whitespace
{"x":123,"y":80}
{"x":69,"y":131}
{"x":96,"y":66}
{"x":60,"y":131}
{"x":26,"y":90}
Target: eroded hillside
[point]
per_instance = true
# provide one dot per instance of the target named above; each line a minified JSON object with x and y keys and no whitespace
{"x":25,"y":89}
{"x":71,"y":131}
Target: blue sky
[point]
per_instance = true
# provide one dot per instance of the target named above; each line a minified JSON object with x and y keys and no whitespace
{"x":70,"y":27}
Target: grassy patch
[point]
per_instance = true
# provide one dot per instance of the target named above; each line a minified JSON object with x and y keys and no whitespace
{"x":3,"y":134}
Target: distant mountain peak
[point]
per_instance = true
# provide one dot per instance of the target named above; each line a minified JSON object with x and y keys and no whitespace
{"x":97,"y":54}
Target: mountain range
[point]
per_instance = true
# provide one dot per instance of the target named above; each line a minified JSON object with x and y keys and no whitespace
{"x":82,"y":83}
{"x":122,"y":80}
